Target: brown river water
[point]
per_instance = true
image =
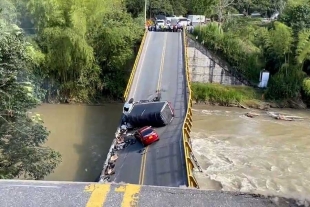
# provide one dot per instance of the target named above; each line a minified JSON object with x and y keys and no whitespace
{"x":236,"y":153}
{"x":257,"y":155}
{"x":83,"y":135}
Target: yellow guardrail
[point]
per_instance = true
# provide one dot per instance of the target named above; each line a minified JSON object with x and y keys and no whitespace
{"x":134,"y":68}
{"x":187,"y":125}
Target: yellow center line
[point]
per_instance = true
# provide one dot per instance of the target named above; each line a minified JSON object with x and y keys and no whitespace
{"x":141,"y":168}
{"x":143,"y":160}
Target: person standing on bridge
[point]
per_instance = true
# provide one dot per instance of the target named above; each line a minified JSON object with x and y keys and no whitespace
{"x":179,"y":25}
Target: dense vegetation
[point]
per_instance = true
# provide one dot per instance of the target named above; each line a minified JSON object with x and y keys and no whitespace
{"x":21,"y":135}
{"x":281,"y":47}
{"x":57,"y":50}
{"x":204,"y":7}
{"x":85,"y":48}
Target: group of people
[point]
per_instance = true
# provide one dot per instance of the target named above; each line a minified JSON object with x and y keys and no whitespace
{"x":168,"y":27}
{"x":171,"y":28}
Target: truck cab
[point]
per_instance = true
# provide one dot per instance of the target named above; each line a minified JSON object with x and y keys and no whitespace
{"x":160,"y":24}
{"x":128,"y":106}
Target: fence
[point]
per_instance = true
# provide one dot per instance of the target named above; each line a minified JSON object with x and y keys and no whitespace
{"x":187,"y":125}
{"x":135,"y":65}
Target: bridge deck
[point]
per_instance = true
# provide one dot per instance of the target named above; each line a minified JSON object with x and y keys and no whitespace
{"x":161,"y":67}
{"x":60,"y":194}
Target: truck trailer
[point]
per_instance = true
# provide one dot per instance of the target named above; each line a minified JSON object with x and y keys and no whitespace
{"x":155,"y":114}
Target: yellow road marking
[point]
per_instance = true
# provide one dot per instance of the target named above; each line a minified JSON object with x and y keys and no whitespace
{"x":98,"y":194}
{"x":142,"y":168}
{"x":143,"y":160}
{"x":131,"y":195}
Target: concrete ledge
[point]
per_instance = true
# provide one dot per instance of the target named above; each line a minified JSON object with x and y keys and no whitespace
{"x":51,"y":194}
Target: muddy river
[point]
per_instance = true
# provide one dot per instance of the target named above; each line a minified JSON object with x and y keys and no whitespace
{"x":236,"y":153}
{"x":259,"y":155}
{"x":83,"y":135}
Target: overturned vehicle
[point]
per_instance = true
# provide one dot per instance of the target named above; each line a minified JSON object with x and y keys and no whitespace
{"x":156,"y":114}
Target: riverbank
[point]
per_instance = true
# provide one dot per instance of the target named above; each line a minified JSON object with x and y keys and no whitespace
{"x":239,"y":96}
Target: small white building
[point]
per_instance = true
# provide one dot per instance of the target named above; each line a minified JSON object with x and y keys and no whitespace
{"x":263,"y":79}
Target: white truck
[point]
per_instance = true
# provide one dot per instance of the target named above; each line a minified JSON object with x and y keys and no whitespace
{"x":196,"y":19}
{"x":160,"y":24}
{"x":184,"y":21}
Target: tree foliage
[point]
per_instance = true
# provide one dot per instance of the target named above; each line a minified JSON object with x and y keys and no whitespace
{"x":21,"y":136}
{"x":215,"y":8}
{"x":251,"y":48}
{"x":297,"y":16}
{"x":87,"y":45}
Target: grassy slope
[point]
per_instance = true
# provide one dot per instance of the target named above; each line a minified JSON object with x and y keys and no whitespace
{"x":226,"y":95}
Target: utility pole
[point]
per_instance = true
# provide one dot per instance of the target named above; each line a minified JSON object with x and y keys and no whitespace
{"x":145,"y":12}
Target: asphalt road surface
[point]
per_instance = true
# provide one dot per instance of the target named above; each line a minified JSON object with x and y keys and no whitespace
{"x":161,"y":68}
{"x":62,"y":194}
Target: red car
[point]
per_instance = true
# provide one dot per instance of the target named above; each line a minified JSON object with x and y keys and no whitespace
{"x":146,"y":135}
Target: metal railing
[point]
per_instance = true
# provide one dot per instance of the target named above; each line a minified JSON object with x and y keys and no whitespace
{"x":187,"y":125}
{"x":135,"y":65}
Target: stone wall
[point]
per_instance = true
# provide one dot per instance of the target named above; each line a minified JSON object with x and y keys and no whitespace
{"x":205,"y":67}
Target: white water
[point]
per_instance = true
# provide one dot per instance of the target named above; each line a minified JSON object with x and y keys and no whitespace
{"x":255,"y":155}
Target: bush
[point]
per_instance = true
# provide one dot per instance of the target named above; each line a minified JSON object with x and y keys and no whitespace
{"x":221,"y":94}
{"x":306,"y":86}
{"x":285,"y":84}
{"x":235,"y":48}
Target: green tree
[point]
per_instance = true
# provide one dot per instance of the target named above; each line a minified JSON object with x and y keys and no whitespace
{"x":79,"y":64}
{"x":297,"y":16}
{"x":265,"y":7}
{"x":201,"y":7}
{"x":135,"y":7}
{"x":113,"y":45}
{"x":276,"y":45}
{"x":8,"y":11}
{"x":303,"y":46}
{"x":21,"y":136}
{"x":62,"y":28}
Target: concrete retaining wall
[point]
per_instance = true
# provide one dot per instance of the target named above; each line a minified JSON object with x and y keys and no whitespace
{"x":205,"y":67}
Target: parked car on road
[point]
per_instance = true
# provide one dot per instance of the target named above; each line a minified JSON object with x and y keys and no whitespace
{"x":160,"y":25}
{"x":146,"y":135}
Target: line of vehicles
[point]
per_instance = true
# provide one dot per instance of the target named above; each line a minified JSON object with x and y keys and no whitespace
{"x":174,"y":24}
{"x":140,"y":118}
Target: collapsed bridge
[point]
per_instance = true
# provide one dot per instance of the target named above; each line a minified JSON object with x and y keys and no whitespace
{"x":160,"y":67}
